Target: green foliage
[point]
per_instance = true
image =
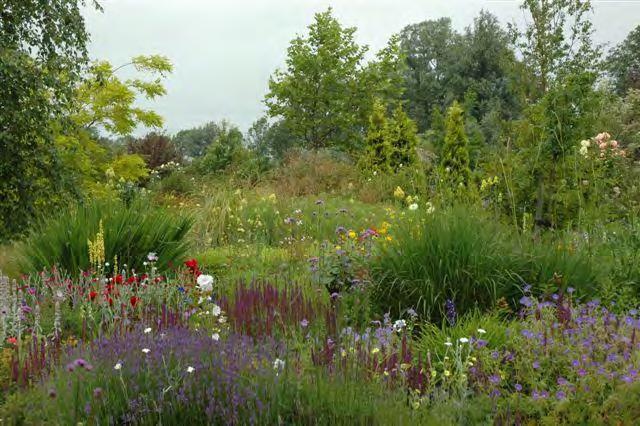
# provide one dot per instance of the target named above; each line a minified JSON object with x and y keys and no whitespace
{"x":194,"y":142}
{"x":403,"y":140}
{"x":222,"y":152}
{"x":443,"y":65}
{"x":623,"y":63}
{"x":319,"y":93}
{"x":471,"y":259}
{"x":377,"y":149}
{"x":455,"y":153}
{"x":39,"y":66}
{"x":130,"y":232}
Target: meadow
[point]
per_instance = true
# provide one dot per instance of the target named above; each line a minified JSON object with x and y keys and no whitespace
{"x":474,"y":263}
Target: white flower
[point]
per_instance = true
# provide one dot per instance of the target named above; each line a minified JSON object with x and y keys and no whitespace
{"x":152,"y":257}
{"x":118,"y":366}
{"x":413,"y":206}
{"x":430,"y":208}
{"x":448,"y":342}
{"x":584,"y":151}
{"x":482,"y":331}
{"x":147,"y":330}
{"x":144,"y":263}
{"x":278,"y":365}
{"x":205,"y":283}
{"x":585,"y":143}
{"x":215,"y":336}
{"x":399,"y":325}
{"x":190,"y":369}
{"x":463,"y":340}
{"x":146,"y":350}
{"x":215,"y":311}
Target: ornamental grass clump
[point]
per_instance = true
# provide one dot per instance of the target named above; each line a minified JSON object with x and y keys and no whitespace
{"x":126,"y":232}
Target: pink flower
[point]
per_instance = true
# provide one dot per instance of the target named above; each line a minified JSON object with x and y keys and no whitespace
{"x":614,"y":144}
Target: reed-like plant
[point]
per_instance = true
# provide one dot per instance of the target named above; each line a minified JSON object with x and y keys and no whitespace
{"x":131,"y":232}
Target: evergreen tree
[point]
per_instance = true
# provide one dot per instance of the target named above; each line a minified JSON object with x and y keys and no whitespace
{"x":378,"y":151}
{"x":403,"y":139}
{"x":455,"y":153}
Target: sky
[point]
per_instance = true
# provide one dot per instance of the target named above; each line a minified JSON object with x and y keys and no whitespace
{"x":224,"y":51}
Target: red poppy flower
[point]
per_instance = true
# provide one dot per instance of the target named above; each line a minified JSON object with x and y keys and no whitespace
{"x":118,"y":279}
{"x":134,"y":301}
{"x":132,"y":279}
{"x":191,"y":264}
{"x":12,"y":341}
{"x":92,"y":295}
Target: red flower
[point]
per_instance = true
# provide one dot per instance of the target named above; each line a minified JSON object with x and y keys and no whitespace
{"x":134,"y":301}
{"x":12,"y":341}
{"x":118,"y":279}
{"x":132,"y":279}
{"x":92,"y":295}
{"x":110,"y":300}
{"x":193,"y":266}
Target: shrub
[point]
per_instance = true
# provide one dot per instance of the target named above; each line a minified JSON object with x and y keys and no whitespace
{"x":130,"y":232}
{"x":313,"y":173}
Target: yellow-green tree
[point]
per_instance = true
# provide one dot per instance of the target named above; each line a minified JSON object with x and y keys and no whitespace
{"x":455,"y":153}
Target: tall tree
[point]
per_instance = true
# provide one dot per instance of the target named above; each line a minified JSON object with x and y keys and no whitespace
{"x":557,"y":45}
{"x":623,"y":63}
{"x":42,"y":55}
{"x":193,"y":142}
{"x":319,"y":93}
{"x":430,"y":51}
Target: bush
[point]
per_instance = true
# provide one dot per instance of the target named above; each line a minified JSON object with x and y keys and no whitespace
{"x":312,"y":173}
{"x":130,"y":232}
{"x":470,"y":259}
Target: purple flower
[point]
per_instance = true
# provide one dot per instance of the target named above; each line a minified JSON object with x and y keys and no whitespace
{"x":304,"y":323}
{"x":536,"y":364}
{"x":561,"y":395}
{"x":518,"y":387}
{"x":495,"y":379}
{"x":526,"y":301}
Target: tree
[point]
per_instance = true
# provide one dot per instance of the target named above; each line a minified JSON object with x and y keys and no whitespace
{"x":39,"y":66}
{"x":455,"y":153}
{"x":156,"y":149}
{"x":320,"y":92}
{"x":377,"y":150}
{"x":403,"y":140}
{"x":269,"y":140}
{"x":623,"y":63}
{"x":193,"y":143}
{"x":222,"y":152}
{"x":556,"y":44}
{"x":102,"y":102}
{"x":430,"y":51}
{"x":443,"y":66}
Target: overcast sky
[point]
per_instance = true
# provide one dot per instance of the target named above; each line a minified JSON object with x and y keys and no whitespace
{"x":225,"y":50}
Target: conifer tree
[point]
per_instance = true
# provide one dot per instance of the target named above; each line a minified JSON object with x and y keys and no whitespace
{"x":455,"y":153}
{"x":403,"y":139}
{"x":377,"y":149}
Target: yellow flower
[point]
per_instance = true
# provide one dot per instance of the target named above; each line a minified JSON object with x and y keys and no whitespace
{"x":375,"y":351}
{"x":447,"y":373}
{"x":338,"y":247}
{"x":398,"y":193}
{"x":352,"y":234}
{"x":389,"y":238}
